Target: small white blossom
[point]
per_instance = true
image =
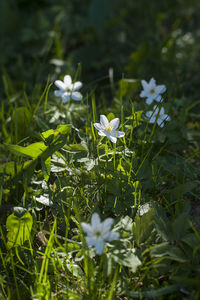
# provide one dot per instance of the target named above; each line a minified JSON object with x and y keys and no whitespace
{"x":151,"y":91}
{"x":106,"y":128}
{"x":159,"y":115}
{"x":68,"y":90}
{"x":98,"y":232}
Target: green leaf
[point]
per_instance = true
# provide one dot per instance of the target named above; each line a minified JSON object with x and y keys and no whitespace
{"x":127,"y":258}
{"x":46,"y":167}
{"x":47,"y":135}
{"x":110,"y":116}
{"x":142,"y":226}
{"x":180,"y":225}
{"x":21,"y":119}
{"x":191,"y":240}
{"x":75,"y":269}
{"x":137,"y":117}
{"x":168,"y":251}
{"x":127,"y":86}
{"x":33,"y":150}
{"x":107,"y":264}
{"x":19,"y":229}
{"x":153,"y":294}
{"x":63,"y":129}
{"x":73,"y":148}
{"x":12,"y":168}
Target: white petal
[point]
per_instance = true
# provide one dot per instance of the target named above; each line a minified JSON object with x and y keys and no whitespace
{"x":86,"y":228}
{"x":158,"y":98}
{"x":77,"y":96}
{"x":66,"y":97}
{"x":67,"y":80}
{"x":95,"y":221}
{"x":103,"y":120}
{"x":114,"y":123}
{"x":61,"y":85}
{"x":101,"y":133}
{"x":112,"y":138}
{"x":160,"y":122}
{"x":58,"y":93}
{"x":149,"y":100}
{"x":148,"y":113}
{"x":152,"y":83}
{"x":97,"y":126}
{"x":77,"y":85}
{"x":162,"y":111}
{"x":120,"y":134}
{"x":152,"y":120}
{"x":107,"y":223}
{"x":166,"y":117}
{"x":155,"y":109}
{"x":113,"y":236}
{"x":99,"y":246}
{"x":91,"y":241}
{"x":160,"y":89}
{"x":144,"y":84}
{"x":143,"y":94}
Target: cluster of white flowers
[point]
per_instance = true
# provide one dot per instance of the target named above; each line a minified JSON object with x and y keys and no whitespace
{"x":68,"y":90}
{"x":99,"y":232}
{"x":152,"y":92}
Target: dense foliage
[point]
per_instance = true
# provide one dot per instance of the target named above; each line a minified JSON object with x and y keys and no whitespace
{"x":58,"y":168}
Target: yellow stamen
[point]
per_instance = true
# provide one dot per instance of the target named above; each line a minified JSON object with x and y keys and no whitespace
{"x":97,"y":233}
{"x":152,"y":91}
{"x":108,"y":127}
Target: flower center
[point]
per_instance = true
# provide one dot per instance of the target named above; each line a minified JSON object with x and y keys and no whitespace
{"x":109,"y":128}
{"x":152,"y":91}
{"x":98,"y":233}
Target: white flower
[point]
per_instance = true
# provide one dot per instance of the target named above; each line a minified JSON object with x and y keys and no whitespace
{"x":151,"y":91}
{"x":106,"y":128}
{"x":68,"y":90}
{"x":98,"y":232}
{"x":159,"y":115}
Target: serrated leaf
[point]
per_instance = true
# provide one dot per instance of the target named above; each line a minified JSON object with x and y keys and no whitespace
{"x":127,"y":258}
{"x":191,"y":240}
{"x":75,"y":269}
{"x":168,"y":251}
{"x":142,"y":226}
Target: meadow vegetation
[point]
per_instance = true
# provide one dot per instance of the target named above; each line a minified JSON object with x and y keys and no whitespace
{"x":99,"y":149}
